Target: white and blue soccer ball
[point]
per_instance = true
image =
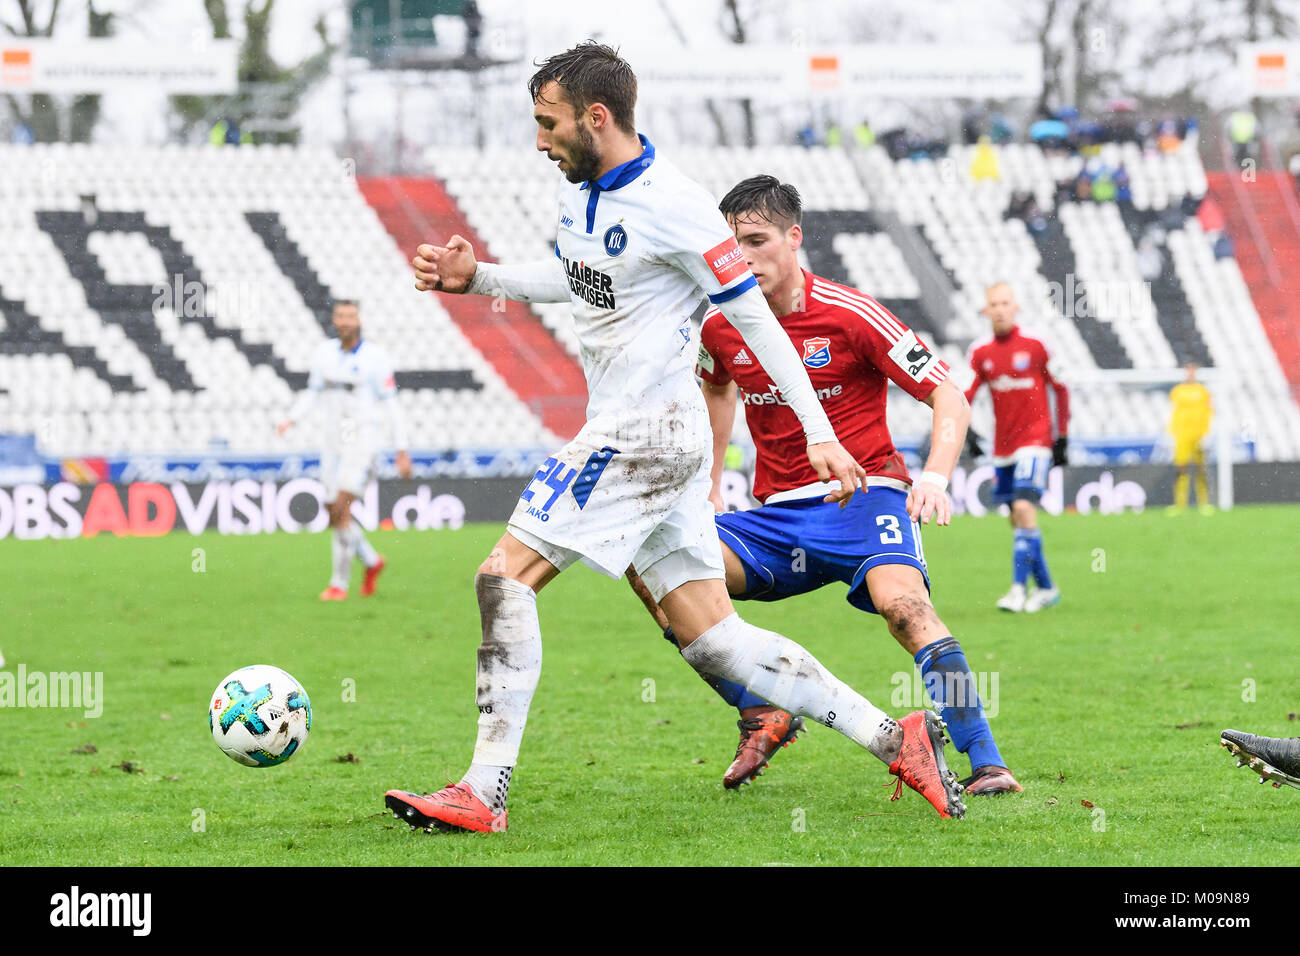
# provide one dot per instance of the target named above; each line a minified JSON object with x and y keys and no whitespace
{"x":260,"y":716}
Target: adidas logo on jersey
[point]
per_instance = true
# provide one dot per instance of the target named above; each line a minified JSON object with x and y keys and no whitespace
{"x":742,"y":358}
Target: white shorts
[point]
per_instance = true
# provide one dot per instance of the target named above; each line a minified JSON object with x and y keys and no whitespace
{"x":648,"y":509}
{"x":350,"y":470}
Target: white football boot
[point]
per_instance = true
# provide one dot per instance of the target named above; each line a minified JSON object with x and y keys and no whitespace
{"x":1041,"y":598}
{"x":1013,"y":600}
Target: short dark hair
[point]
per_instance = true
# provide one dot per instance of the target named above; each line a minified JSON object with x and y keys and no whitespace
{"x":767,"y":197}
{"x":589,"y":73}
{"x":352,"y":302}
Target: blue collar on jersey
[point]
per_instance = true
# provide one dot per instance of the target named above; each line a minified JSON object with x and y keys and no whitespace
{"x":618,"y":177}
{"x":353,"y":350}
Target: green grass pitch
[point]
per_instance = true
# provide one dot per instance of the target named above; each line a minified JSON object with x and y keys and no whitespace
{"x":1170,"y":630}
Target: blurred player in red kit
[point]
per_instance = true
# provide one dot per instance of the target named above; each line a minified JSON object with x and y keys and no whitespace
{"x":1018,"y":370}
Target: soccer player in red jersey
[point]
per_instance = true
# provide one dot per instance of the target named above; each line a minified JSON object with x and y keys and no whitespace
{"x":1018,"y":370}
{"x":852,"y":348}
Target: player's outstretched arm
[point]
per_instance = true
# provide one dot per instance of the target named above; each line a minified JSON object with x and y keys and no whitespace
{"x":751,"y":316}
{"x":454,"y":269}
{"x":306,"y":401}
{"x":721,"y":403}
{"x":929,"y":495}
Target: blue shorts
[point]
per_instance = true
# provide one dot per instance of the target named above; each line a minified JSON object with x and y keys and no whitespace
{"x":799,"y":546}
{"x":1025,"y":478}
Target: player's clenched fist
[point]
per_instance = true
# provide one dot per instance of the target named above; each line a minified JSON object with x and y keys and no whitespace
{"x":926,"y":499}
{"x":831,"y":461}
{"x":446,"y":268}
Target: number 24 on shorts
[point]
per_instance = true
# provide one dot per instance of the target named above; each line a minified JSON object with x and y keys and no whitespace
{"x":552,"y":476}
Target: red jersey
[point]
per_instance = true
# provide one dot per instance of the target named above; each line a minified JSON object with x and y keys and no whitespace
{"x":1018,"y":368}
{"x":852,"y":346}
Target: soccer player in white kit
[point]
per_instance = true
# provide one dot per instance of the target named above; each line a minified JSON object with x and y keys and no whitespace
{"x":355,"y":378}
{"x":637,"y":243}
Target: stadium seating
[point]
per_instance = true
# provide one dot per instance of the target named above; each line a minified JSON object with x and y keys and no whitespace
{"x":169,"y":300}
{"x":1194,"y":311}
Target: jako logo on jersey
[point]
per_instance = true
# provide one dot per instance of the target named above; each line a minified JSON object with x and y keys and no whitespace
{"x":816,"y":353}
{"x":1020,"y":361}
{"x":742,"y":358}
{"x":565,"y":220}
{"x":591,"y":285}
{"x":615,"y":240}
{"x":726,"y":260}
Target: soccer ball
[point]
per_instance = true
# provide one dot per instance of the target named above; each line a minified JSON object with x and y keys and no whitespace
{"x":259,"y":716}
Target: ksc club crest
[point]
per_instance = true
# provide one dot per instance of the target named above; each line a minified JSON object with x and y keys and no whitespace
{"x":816,"y":353}
{"x":615,"y":240}
{"x":1020,"y":361}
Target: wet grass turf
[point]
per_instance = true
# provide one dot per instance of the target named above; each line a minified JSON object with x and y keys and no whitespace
{"x":1170,"y":630}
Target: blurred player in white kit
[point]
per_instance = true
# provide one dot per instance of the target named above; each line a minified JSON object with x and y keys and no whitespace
{"x":355,"y":378}
{"x":637,"y":242}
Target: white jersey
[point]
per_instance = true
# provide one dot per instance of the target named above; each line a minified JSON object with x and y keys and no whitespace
{"x":638,"y":246}
{"x":357,"y":390}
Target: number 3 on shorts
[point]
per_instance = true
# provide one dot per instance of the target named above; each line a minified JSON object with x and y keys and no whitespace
{"x":891,"y":534}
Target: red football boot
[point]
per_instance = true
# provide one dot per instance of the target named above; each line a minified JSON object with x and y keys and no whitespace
{"x":452,"y":809}
{"x":760,"y":737}
{"x":990,"y":781}
{"x":368,"y":585}
{"x":332,"y":593}
{"x":921,"y":766}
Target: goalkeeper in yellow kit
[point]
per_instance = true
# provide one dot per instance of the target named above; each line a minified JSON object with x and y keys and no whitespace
{"x":1189,"y":424}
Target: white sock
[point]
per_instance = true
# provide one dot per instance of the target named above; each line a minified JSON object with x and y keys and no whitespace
{"x":361,"y":547}
{"x":342,"y":550}
{"x":491,"y":784}
{"x":779,"y":670}
{"x":509,"y":665}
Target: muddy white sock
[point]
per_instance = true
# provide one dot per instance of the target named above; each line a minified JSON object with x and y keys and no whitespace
{"x":491,"y":784}
{"x":509,"y":665}
{"x":361,"y":547}
{"x":341,"y":547}
{"x":779,"y":670}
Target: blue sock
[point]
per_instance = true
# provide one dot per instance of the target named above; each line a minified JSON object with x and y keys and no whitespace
{"x":1022,"y":556}
{"x":1042,"y":577}
{"x":951,"y":686}
{"x":734,"y":694}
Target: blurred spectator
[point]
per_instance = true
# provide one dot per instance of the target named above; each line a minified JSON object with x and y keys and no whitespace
{"x":225,"y":132}
{"x":895,"y":142}
{"x":1103,"y":185}
{"x":1083,"y":186}
{"x":864,"y":136}
{"x":22,"y":135}
{"x":834,"y":135}
{"x":972,"y":126}
{"x":1241,"y":130}
{"x":1024,"y":206}
{"x":1167,"y":138}
{"x":1050,"y":134}
{"x":1001,"y":131}
{"x":807,"y":136}
{"x":984,"y":166}
{"x":1123,"y":188}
